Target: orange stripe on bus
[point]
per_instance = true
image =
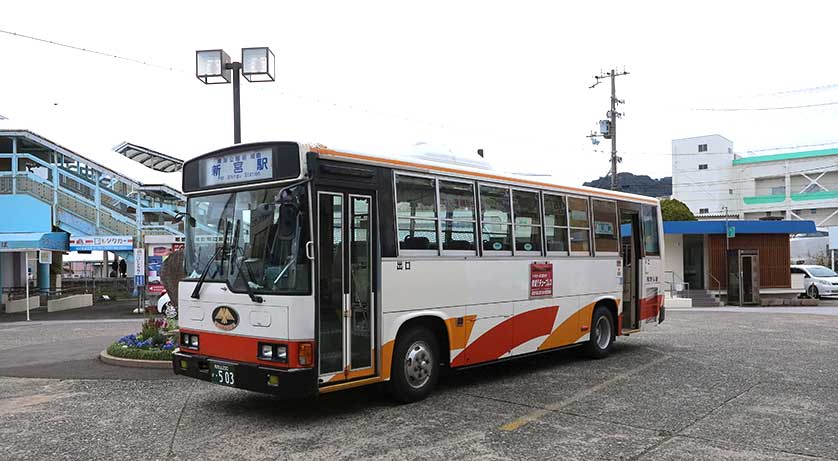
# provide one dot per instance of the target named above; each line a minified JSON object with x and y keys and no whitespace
{"x":458,"y":335}
{"x":370,"y":158}
{"x":570,"y":330}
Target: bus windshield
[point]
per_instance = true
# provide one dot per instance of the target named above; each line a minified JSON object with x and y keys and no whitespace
{"x":252,"y":239}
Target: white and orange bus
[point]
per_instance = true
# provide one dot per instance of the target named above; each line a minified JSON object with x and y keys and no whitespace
{"x":311,"y":270}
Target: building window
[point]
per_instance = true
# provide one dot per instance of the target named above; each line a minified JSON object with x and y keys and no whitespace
{"x":813,"y":211}
{"x":605,"y":226}
{"x":780,"y":190}
{"x":457,"y":215}
{"x":702,"y":166}
{"x":767,"y":213}
{"x":527,"y":221}
{"x":702,"y":147}
{"x":730,"y":191}
{"x":416,"y":211}
{"x":496,"y":218}
{"x":703,"y":210}
{"x":555,"y":221}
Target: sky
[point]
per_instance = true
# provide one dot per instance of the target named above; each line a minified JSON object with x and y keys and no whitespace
{"x":511,"y":78}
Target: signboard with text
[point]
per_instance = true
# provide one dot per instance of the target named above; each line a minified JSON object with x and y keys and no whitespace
{"x":541,"y":279}
{"x":101,"y":243}
{"x":251,"y":165}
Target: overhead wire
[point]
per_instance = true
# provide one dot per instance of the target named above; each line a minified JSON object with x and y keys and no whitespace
{"x":88,"y":50}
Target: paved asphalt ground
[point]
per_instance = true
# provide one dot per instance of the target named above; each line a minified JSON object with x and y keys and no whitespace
{"x":706,"y":384}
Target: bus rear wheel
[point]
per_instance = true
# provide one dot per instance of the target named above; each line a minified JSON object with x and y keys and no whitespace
{"x":415,"y":369}
{"x":602,"y":333}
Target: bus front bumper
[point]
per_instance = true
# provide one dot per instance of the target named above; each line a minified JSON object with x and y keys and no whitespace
{"x":289,"y":384}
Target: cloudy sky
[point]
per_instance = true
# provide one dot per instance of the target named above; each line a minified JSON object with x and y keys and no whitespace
{"x":511,"y":78}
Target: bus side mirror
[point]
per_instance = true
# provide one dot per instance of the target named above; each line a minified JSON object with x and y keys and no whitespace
{"x":185,"y":217}
{"x":287,"y":224}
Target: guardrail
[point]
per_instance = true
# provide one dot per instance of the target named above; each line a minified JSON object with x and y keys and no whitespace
{"x":676,"y":288}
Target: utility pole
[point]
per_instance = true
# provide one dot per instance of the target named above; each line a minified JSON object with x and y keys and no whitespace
{"x":611,"y":131}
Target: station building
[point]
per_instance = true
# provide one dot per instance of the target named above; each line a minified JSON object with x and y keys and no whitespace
{"x":54,"y":199}
{"x":714,"y":181}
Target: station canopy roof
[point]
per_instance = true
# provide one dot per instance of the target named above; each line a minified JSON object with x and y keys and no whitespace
{"x":742,"y":227}
{"x":150,"y":158}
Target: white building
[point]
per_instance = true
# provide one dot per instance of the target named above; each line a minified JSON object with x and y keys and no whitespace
{"x":709,"y":177}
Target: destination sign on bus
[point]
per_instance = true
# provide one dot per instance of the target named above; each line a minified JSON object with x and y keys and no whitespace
{"x":246,"y":166}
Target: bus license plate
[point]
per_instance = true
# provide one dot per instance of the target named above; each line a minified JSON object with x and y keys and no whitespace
{"x":223,"y":374}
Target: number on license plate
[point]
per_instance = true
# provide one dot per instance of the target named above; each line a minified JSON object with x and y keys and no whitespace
{"x":223,"y":374}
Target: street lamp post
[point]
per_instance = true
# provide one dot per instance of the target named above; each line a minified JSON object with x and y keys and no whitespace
{"x":214,"y":67}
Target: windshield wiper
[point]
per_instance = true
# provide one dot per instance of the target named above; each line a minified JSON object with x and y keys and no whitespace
{"x":245,"y":273}
{"x":196,"y":293}
{"x":244,"y":268}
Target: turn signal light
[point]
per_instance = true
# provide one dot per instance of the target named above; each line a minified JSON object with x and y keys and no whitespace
{"x":184,"y":364}
{"x":304,"y":354}
{"x":273,"y":380}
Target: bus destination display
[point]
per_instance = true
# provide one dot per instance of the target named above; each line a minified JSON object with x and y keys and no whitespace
{"x":251,"y":165}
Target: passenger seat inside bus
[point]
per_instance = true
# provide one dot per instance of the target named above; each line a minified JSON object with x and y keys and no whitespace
{"x":416,"y":243}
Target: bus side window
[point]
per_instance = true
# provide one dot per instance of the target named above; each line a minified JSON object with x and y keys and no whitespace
{"x":555,"y":223}
{"x":649,"y":218}
{"x":416,"y":213}
{"x":605,"y":226}
{"x":457,"y":216}
{"x":580,"y":227}
{"x":495,"y":218}
{"x":527,"y":221}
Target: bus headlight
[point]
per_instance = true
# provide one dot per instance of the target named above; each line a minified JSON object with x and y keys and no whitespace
{"x":275,"y":352}
{"x":266,"y":351}
{"x":189,"y":340}
{"x":281,"y":353}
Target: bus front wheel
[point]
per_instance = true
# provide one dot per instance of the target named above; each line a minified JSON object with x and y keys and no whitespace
{"x":602,"y":333}
{"x":415,"y":369}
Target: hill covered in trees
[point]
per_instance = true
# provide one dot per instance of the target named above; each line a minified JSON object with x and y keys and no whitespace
{"x":636,"y":184}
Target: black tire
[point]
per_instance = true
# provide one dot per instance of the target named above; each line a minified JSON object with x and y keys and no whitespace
{"x":602,"y":333}
{"x":812,"y":292}
{"x":410,"y":380}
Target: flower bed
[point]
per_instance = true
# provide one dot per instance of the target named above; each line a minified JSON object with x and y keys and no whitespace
{"x":154,"y":342}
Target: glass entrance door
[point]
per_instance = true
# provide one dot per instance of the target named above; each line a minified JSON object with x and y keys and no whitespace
{"x":346,"y":301}
{"x":630,"y":251}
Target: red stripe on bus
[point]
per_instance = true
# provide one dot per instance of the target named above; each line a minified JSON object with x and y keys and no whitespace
{"x":650,"y":307}
{"x":507,"y":335}
{"x":242,"y":348}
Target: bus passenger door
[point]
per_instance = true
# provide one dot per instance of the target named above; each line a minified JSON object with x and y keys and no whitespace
{"x":630,"y":251}
{"x":346,"y":302}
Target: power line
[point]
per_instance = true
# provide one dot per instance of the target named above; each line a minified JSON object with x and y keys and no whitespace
{"x":88,"y":50}
{"x":740,"y":109}
{"x":175,"y":69}
{"x":743,"y":154}
{"x":813,"y":89}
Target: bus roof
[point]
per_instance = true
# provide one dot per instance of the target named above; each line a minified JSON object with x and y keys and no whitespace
{"x":423,"y":165}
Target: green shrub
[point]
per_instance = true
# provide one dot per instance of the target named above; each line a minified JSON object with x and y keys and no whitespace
{"x":128,"y":352}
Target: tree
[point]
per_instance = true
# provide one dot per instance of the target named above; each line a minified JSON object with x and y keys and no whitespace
{"x":172,"y":272}
{"x":675,"y":210}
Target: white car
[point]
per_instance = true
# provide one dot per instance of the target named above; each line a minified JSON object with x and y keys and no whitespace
{"x":165,"y":306}
{"x":817,"y":280}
